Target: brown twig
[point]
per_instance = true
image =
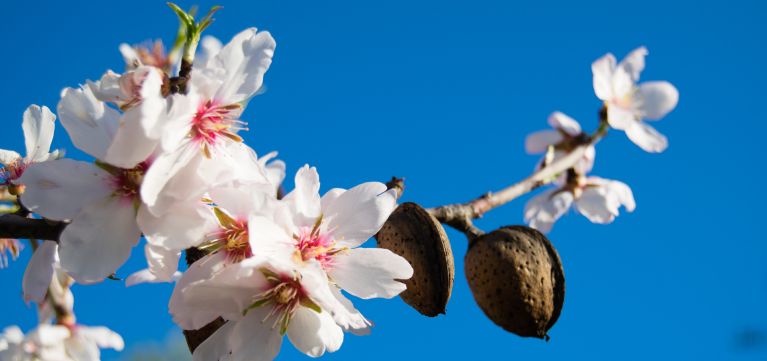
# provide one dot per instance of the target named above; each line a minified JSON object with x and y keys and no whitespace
{"x":460,"y":215}
{"x":17,"y":226}
{"x":177,"y":84}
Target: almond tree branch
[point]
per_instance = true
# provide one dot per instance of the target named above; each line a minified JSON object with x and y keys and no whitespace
{"x":17,"y":226}
{"x":460,"y":215}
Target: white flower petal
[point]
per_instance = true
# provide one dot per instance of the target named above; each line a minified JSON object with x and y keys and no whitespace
{"x":585,"y":165}
{"x":559,"y":120}
{"x":102,"y":337}
{"x":620,"y":118}
{"x":249,"y":339}
{"x":269,"y":239}
{"x":359,"y":331}
{"x":38,"y":128}
{"x":305,"y":198}
{"x":315,"y":281}
{"x":146,"y":276}
{"x":647,"y":138}
{"x":239,"y":200}
{"x":539,"y":141}
{"x":225,"y":293}
{"x":133,"y":142}
{"x":216,"y":346}
{"x":241,"y":64}
{"x":314,"y":333}
{"x":49,"y":335}
{"x":99,"y":240}
{"x":275,"y":173}
{"x":162,"y":170}
{"x":78,"y":348}
{"x":59,"y":189}
{"x":190,"y":317}
{"x":8,"y":156}
{"x":184,"y":225}
{"x":594,"y":205}
{"x":331,"y":196}
{"x":163,"y":264}
{"x":602,"y":70}
{"x":657,"y":98}
{"x":209,"y":47}
{"x":91,"y":125}
{"x":235,"y":162}
{"x":370,"y":272}
{"x":130,"y":56}
{"x":623,"y":85}
{"x":12,"y":334}
{"x":623,"y":194}
{"x":177,"y":119}
{"x":39,"y":272}
{"x":108,"y":88}
{"x":633,"y":63}
{"x":359,"y":213}
{"x":543,"y":210}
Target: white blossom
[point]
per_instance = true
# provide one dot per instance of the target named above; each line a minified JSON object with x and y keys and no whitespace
{"x":198,"y":146}
{"x":262,"y":299}
{"x":563,"y":138}
{"x":598,"y":199}
{"x":38,"y":125}
{"x":629,"y":103}
{"x":57,"y":343}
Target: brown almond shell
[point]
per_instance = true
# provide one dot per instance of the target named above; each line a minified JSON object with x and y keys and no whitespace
{"x":416,"y":235}
{"x":517,"y":279}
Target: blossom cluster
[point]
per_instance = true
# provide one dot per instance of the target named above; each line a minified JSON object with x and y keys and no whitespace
{"x":171,"y":166}
{"x":64,"y":340}
{"x":627,"y":104}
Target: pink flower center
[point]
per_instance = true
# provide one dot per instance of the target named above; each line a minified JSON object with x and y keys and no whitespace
{"x":285,"y":295}
{"x":153,"y":54}
{"x":127,"y":182}
{"x":214,"y":122}
{"x":313,"y":244}
{"x":234,"y":241}
{"x":232,"y":238}
{"x":12,"y":171}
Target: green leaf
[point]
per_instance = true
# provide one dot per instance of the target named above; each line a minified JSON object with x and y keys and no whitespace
{"x":185,"y":18}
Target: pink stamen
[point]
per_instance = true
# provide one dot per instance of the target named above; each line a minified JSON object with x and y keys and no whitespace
{"x":127,"y":182}
{"x":12,"y":171}
{"x":214,"y":121}
{"x":231,"y":237}
{"x":284,"y":294}
{"x":313,"y":244}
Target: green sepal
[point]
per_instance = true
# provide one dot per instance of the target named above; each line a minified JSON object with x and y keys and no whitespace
{"x":256,"y":304}
{"x":308,"y":303}
{"x":225,"y":220}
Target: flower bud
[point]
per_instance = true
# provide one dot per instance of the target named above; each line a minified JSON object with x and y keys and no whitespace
{"x":416,"y":235}
{"x":16,"y":189}
{"x":517,"y":279}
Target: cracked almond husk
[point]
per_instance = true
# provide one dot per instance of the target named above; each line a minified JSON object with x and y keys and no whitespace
{"x":416,"y":235}
{"x":517,"y":279}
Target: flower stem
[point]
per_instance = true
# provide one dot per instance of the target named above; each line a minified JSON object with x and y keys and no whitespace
{"x":460,"y":215}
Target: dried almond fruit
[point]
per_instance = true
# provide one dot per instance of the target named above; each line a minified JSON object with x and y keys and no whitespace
{"x":517,"y":279}
{"x":416,"y":235}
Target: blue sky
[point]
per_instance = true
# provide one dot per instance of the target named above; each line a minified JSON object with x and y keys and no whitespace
{"x":443,"y":93}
